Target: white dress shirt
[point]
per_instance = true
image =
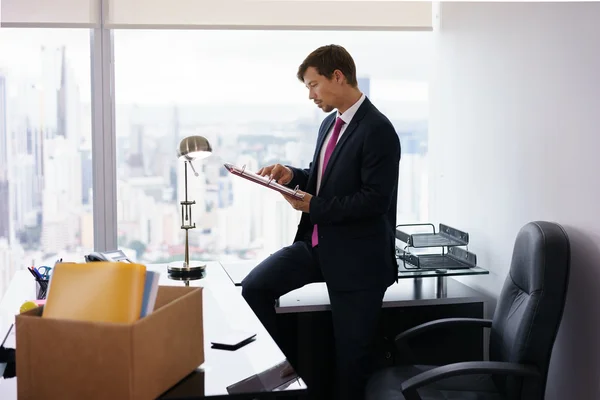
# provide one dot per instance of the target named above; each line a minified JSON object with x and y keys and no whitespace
{"x":346,"y":117}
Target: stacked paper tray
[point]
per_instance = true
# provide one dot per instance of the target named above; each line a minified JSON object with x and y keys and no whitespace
{"x":455,"y":258}
{"x":446,"y":254}
{"x":446,"y":236}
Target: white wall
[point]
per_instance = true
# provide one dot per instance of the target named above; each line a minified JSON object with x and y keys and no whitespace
{"x":515,"y":137}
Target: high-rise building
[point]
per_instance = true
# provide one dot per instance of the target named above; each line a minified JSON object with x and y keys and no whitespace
{"x":62,"y":165}
{"x":27,"y":132}
{"x":86,"y":176}
{"x":364,"y":84}
{"x":135,"y":157}
{"x":280,"y":225}
{"x":48,"y":85}
{"x":62,"y":206}
{"x":5,"y":217}
{"x":68,"y":102}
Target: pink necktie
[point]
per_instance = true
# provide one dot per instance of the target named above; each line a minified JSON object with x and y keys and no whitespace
{"x":330,"y":146}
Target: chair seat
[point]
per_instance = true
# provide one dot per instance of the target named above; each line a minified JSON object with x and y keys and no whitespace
{"x":385,"y":385}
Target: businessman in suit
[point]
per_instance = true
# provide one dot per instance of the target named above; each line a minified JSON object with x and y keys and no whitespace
{"x":346,"y":233}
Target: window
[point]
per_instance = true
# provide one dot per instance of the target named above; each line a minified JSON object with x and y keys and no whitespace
{"x":45,"y":153}
{"x":239,"y":90}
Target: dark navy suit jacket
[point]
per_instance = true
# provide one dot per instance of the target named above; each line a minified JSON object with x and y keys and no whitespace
{"x":356,"y":205}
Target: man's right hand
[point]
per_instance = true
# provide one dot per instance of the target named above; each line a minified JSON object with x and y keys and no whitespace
{"x":280,"y":173}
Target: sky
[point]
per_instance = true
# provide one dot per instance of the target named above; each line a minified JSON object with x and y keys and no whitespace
{"x":211,"y":66}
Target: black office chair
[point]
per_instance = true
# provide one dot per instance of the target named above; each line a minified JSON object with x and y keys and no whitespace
{"x":523,"y":332}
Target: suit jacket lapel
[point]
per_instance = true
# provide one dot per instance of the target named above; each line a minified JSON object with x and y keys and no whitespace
{"x":360,"y":113}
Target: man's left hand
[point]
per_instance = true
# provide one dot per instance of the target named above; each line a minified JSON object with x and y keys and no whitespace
{"x":300,"y":205}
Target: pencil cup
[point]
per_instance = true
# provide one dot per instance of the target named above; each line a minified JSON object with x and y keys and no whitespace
{"x":41,"y":289}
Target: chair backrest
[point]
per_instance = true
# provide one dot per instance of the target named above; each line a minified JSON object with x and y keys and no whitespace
{"x":531,"y":305}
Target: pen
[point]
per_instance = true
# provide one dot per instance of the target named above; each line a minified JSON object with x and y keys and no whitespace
{"x":37,"y":273}
{"x":30,"y":269}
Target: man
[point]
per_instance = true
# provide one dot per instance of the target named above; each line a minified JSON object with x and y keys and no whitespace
{"x":346,"y":232}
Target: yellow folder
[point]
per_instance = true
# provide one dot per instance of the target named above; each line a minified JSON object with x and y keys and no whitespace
{"x":98,"y":291}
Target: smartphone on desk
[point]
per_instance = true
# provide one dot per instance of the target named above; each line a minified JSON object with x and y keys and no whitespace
{"x":233,"y":340}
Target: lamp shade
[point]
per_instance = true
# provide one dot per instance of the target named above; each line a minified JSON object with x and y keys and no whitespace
{"x":194,"y":147}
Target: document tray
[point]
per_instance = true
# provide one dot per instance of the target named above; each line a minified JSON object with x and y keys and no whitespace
{"x":455,"y":258}
{"x":446,"y":236}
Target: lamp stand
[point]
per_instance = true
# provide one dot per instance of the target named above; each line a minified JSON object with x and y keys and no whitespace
{"x":186,"y":272}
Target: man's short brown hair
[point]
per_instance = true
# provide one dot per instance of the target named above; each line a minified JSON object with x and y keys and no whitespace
{"x":326,"y":59}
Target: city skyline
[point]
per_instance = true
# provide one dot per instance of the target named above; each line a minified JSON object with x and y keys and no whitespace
{"x":48,"y":129}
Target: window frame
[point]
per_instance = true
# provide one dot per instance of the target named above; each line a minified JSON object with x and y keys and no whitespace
{"x":270,"y":14}
{"x":104,"y":152}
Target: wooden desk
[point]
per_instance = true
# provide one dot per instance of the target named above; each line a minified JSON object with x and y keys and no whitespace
{"x":224,"y":310}
{"x":304,"y":320}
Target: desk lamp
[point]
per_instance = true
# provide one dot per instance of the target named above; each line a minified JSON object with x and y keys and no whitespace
{"x":191,"y":148}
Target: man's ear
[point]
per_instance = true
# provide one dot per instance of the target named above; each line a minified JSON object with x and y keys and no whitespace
{"x":338,"y":76}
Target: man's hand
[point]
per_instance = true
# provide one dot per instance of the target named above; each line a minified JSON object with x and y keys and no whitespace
{"x":300,"y":205}
{"x":280,"y":173}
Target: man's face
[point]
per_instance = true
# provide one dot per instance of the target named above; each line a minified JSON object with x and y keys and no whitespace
{"x":321,"y":90}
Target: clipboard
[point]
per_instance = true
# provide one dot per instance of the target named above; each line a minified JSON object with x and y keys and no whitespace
{"x":264,"y":181}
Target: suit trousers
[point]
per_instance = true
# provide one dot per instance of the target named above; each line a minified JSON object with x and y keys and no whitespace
{"x":355,"y":314}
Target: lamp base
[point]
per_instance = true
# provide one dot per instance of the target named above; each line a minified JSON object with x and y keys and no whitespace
{"x":185,"y":272}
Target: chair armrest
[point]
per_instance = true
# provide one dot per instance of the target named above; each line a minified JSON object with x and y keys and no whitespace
{"x":417,"y":330}
{"x":410,"y":386}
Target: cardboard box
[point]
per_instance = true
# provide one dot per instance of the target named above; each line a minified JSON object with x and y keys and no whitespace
{"x":61,"y":359}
